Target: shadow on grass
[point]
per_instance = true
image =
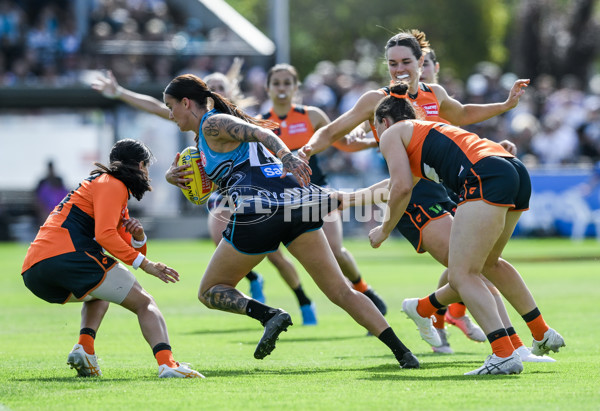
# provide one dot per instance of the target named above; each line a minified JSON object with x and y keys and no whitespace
{"x":221,"y":331}
{"x":95,"y":380}
{"x":323,"y":338}
{"x":419,"y":355}
{"x":284,"y":339}
{"x":386,"y":372}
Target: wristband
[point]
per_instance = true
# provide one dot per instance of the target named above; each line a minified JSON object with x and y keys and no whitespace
{"x":137,"y":244}
{"x":138,"y":261}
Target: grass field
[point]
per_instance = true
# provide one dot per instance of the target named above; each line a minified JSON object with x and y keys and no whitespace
{"x":331,"y":366}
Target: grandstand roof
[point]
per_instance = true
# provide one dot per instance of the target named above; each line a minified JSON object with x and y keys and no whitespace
{"x":236,"y":37}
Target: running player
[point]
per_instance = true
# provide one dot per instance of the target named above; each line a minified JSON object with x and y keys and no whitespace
{"x":297,"y":124}
{"x":493,"y":188}
{"x":66,"y":262}
{"x":427,"y":220}
{"x":217,"y":216}
{"x":252,"y":167}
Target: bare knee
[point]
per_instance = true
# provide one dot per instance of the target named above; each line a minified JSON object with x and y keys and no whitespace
{"x":492,"y":265}
{"x":143,"y":302}
{"x":340,"y":295}
{"x":456,"y":279}
{"x":340,"y":253}
{"x":454,"y":282}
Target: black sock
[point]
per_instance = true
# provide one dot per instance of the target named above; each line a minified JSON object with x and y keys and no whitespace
{"x":389,"y":338}
{"x":434,"y":301}
{"x":88,"y":331}
{"x":442,"y":311}
{"x":302,"y":298}
{"x":160,"y":347}
{"x":259,"y":311}
{"x":357,"y":281}
{"x":531,"y":315}
{"x":511,"y":331}
{"x":494,"y":335}
{"x":252,"y":276}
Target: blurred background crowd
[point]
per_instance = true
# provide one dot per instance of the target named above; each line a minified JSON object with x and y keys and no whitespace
{"x":60,"y":43}
{"x":557,"y":122}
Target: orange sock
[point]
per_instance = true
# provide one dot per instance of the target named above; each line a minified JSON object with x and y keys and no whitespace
{"x":457,"y":310}
{"x":361,"y":286}
{"x":166,"y":357}
{"x":538,"y":327}
{"x":425,"y":309}
{"x":439,"y":321}
{"x":516,"y":341}
{"x":87,"y":341}
{"x":502,"y":347}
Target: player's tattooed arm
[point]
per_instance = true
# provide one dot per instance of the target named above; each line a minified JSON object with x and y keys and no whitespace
{"x":225,"y":298}
{"x":225,"y":126}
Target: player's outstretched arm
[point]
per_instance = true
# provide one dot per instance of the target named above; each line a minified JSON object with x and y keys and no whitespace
{"x":110,"y":88}
{"x":344,"y":124}
{"x":464,"y":114}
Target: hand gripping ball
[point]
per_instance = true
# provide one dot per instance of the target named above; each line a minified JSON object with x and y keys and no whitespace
{"x":200,"y":188}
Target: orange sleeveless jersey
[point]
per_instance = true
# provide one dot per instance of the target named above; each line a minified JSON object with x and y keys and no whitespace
{"x":425,"y":102}
{"x":87,"y":218}
{"x":295,"y":129}
{"x":441,"y":151}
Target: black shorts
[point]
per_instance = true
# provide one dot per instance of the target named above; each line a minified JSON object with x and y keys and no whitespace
{"x":260,"y":234}
{"x":78,"y":273}
{"x":418,"y":215}
{"x":500,"y":181}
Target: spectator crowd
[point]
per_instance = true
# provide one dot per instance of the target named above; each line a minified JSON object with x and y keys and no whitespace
{"x":43,"y":44}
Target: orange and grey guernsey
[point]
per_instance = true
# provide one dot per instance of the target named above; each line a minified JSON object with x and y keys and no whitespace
{"x":88,"y":219}
{"x":443,"y":153}
{"x":425,"y":102}
{"x":428,"y":102}
{"x":295,"y":129}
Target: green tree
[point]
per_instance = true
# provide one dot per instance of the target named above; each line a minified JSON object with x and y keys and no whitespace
{"x":463,"y":32}
{"x":556,"y":37}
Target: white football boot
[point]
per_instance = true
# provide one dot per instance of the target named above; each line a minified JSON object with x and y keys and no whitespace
{"x":183,"y":370}
{"x":85,"y":364}
{"x":551,"y":341}
{"x":494,"y":365}
{"x":425,"y":325}
{"x":527,"y":356}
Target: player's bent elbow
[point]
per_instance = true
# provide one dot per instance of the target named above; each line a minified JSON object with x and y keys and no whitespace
{"x":400,"y":190}
{"x":202,"y":298}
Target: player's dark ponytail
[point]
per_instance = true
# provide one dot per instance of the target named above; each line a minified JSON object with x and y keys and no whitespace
{"x":192,"y":87}
{"x":125,"y":157}
{"x":397,"y":105}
